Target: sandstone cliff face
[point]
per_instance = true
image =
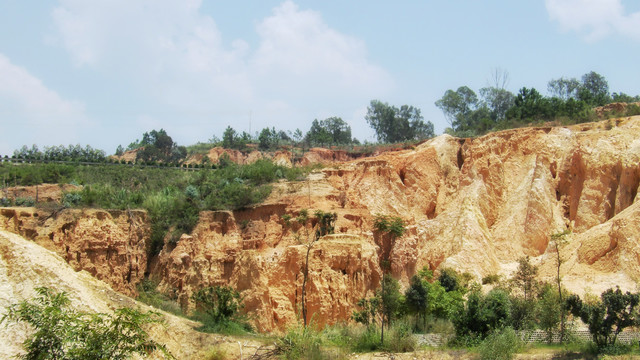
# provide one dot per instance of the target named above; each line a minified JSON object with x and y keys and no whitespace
{"x":110,"y":245}
{"x":476,"y":205}
{"x":25,"y":266}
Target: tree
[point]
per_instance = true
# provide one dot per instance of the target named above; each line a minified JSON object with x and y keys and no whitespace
{"x":558,"y":240}
{"x":64,"y":333}
{"x":483,"y":314}
{"x":564,"y":89}
{"x":416,"y":297}
{"x":390,"y":227}
{"x":448,"y":279}
{"x":550,"y":312}
{"x":268,"y":139}
{"x":318,"y":134}
{"x":325,"y":225}
{"x":529,"y":105}
{"x":159,"y":146}
{"x":229,"y":138}
{"x":498,"y":101}
{"x":458,"y":106}
{"x":219,"y":304}
{"x":622,"y":97}
{"x":615,"y":309}
{"x":525,"y":277}
{"x":393,"y":124}
{"x":594,"y":89}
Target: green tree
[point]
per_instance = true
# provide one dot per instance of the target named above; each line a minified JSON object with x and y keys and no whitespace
{"x":594,"y":89}
{"x":64,"y":333}
{"x":318,"y":134}
{"x":549,"y":312}
{"x":529,"y":105}
{"x":458,"y":106}
{"x":622,"y":97}
{"x":332,"y":130}
{"x":389,"y":228}
{"x":448,"y":279}
{"x":607,"y":317}
{"x":393,"y":124}
{"x":268,"y":139}
{"x":416,"y":298}
{"x":229,"y":138}
{"x":483,"y":314}
{"x":498,"y":102}
{"x":564,"y":89}
{"x":525,"y":277}
{"x":159,"y":146}
{"x":219,"y":304}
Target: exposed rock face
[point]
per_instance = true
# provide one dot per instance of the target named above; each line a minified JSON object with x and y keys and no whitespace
{"x":25,"y":266}
{"x":110,"y":245}
{"x":41,"y":193}
{"x":476,"y":205}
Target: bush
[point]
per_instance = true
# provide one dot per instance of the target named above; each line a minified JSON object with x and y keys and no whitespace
{"x":500,"y":345}
{"x":400,"y":337}
{"x":300,"y":343}
{"x":63,"y":333}
{"x":366,"y":339}
{"x":217,"y":307}
{"x":25,"y":201}
{"x":71,"y":199}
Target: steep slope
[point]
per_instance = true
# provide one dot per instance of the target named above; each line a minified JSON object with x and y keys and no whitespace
{"x":25,"y":265}
{"x":110,"y":245}
{"x":476,"y":205}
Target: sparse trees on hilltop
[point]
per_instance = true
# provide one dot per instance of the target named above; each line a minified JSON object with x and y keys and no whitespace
{"x":393,"y":124}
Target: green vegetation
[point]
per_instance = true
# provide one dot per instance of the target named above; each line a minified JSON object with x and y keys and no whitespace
{"x":608,"y":317}
{"x":570,"y":101}
{"x":172,"y":197}
{"x":61,"y":332}
{"x":393,"y":124}
{"x":502,"y":344}
{"x":218,"y":308}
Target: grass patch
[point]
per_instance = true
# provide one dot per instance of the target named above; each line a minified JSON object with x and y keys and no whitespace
{"x":173,"y":197}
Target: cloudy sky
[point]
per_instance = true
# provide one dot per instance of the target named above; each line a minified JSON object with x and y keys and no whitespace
{"x":102,"y":72}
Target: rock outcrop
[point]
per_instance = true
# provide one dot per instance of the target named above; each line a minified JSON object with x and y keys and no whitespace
{"x":475,"y":205}
{"x":25,"y":266}
{"x":110,"y":245}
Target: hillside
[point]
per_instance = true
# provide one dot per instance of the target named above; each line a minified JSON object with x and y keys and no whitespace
{"x":475,"y":205}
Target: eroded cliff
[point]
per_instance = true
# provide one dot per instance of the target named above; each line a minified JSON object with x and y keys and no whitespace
{"x":476,"y":205}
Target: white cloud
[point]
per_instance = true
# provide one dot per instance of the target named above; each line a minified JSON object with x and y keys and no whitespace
{"x":38,"y":113}
{"x":595,"y":19}
{"x":174,"y":54}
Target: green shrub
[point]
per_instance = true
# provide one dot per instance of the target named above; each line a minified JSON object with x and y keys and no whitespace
{"x":71,"y":199}
{"x":300,"y":343}
{"x":4,"y":202}
{"x":218,"y":308}
{"x":399,"y":337}
{"x":25,"y":201}
{"x":500,"y":345}
{"x":366,"y":339}
{"x":633,"y":109}
{"x":63,"y":333}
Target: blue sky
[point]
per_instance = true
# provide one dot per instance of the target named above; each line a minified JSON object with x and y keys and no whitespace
{"x":103,"y":72}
